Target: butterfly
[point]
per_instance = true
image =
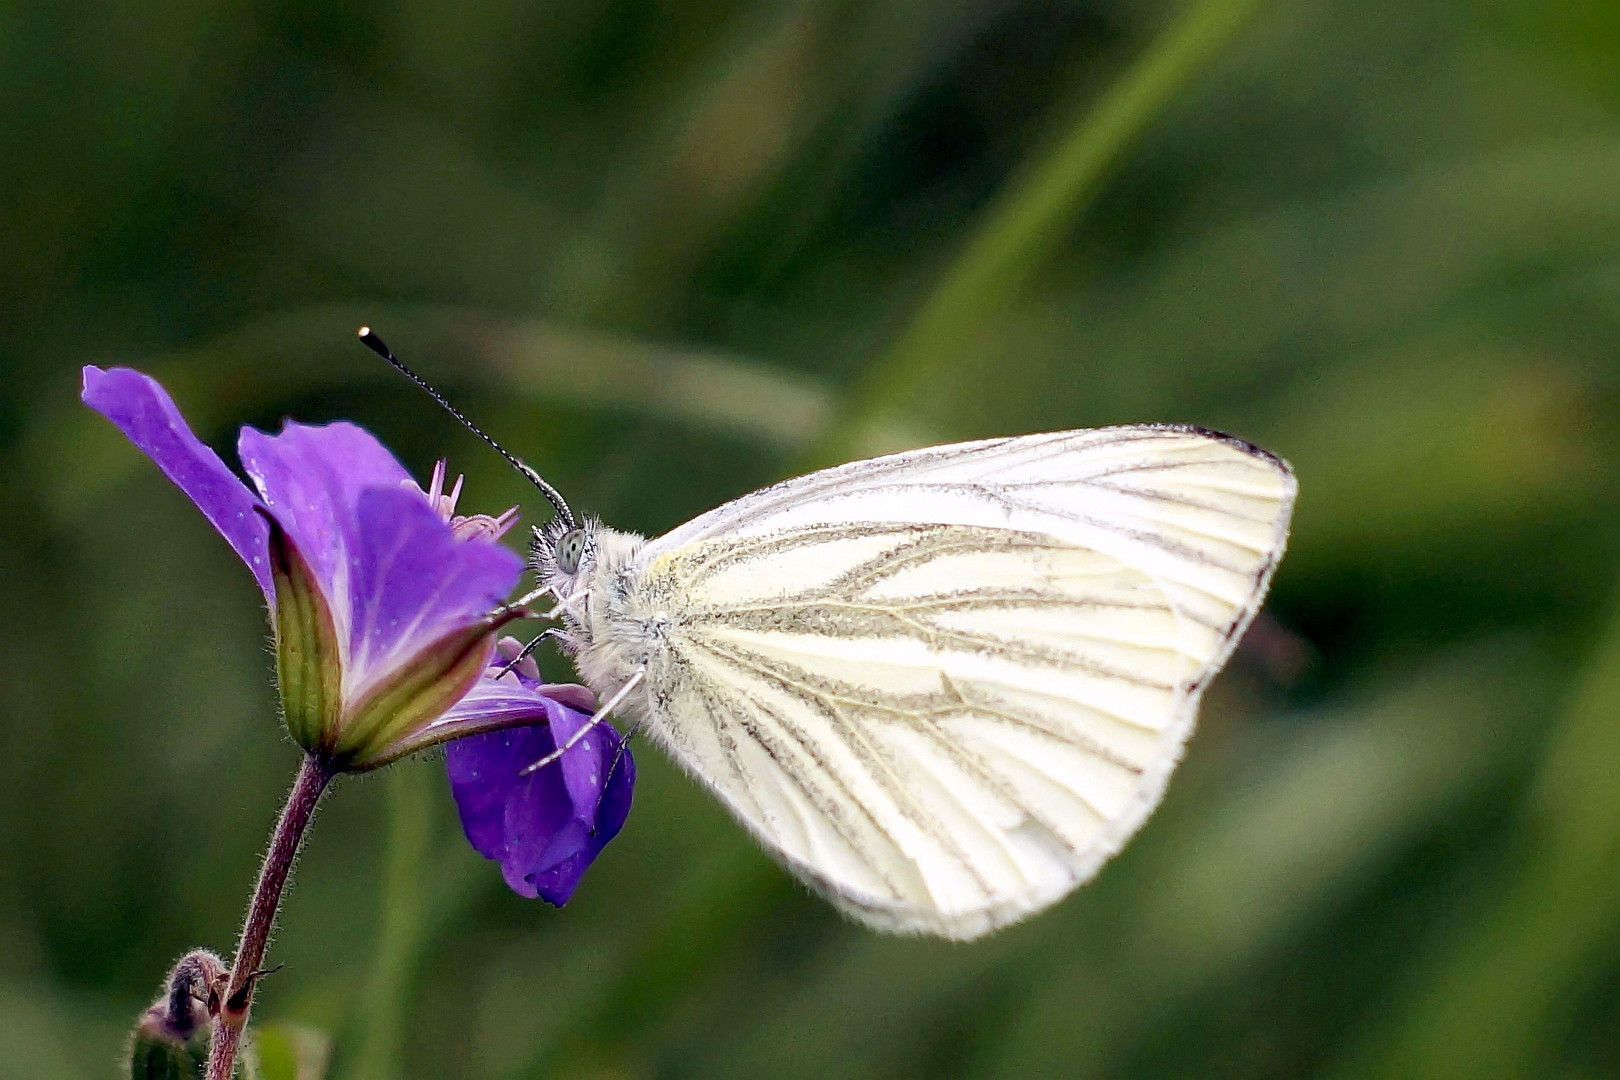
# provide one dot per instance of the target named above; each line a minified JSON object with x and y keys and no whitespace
{"x":942,"y":687}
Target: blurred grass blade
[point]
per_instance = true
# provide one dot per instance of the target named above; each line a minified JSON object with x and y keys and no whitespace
{"x":1022,"y":228}
{"x":289,"y":1052}
{"x":1499,"y":999}
{"x":400,"y":925}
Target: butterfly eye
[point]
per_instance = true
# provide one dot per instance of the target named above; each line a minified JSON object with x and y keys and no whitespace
{"x":569,"y":550}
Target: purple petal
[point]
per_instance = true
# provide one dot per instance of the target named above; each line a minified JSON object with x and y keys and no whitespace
{"x":509,"y":648}
{"x":546,"y":828}
{"x":506,"y":700}
{"x":573,"y":695}
{"x":140,"y":408}
{"x":585,"y":766}
{"x":613,"y":808}
{"x":311,"y":478}
{"x":410,"y":581}
{"x":500,"y":703}
{"x":601,"y":815}
{"x":542,"y":837}
{"x":483,"y":777}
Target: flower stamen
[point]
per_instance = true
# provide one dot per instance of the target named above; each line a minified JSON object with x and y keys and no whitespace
{"x":462,"y":527}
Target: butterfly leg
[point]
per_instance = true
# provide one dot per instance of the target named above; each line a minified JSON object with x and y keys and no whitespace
{"x":526,"y":599}
{"x":533,"y":644}
{"x":618,"y":755}
{"x":519,"y":608}
{"x":553,"y":632}
{"x":529,"y":598}
{"x":596,"y":718}
{"x":564,"y":605}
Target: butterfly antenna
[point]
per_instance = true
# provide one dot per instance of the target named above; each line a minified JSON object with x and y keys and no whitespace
{"x":370,"y":340}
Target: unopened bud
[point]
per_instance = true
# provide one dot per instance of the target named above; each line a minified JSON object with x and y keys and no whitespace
{"x":171,"y":1040}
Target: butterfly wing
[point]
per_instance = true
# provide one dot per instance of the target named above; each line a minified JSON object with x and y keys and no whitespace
{"x":945,"y":686}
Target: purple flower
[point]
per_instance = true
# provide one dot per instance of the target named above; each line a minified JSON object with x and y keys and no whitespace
{"x":385,"y":605}
{"x":545,"y":828}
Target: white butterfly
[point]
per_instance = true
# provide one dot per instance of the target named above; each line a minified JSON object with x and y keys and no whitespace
{"x":942,"y":687}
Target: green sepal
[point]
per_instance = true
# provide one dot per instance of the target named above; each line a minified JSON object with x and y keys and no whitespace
{"x":377,"y":728}
{"x":156,"y":1056}
{"x":309,"y":656}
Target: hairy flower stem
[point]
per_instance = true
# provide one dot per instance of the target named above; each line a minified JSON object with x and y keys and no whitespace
{"x":313,"y":776}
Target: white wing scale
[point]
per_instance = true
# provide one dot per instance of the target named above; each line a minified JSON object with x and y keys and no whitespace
{"x":945,"y":686}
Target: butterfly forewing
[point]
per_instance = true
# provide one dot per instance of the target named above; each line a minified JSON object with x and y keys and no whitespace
{"x":945,"y":686}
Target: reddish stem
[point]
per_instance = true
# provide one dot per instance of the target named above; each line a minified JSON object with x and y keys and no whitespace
{"x":313,"y":776}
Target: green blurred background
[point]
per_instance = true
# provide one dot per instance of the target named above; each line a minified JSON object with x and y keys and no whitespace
{"x":672,"y":251}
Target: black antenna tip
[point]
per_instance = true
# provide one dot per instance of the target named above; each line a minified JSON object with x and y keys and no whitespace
{"x":370,"y":340}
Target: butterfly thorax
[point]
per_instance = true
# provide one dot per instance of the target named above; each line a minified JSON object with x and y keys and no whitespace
{"x":608,"y":628}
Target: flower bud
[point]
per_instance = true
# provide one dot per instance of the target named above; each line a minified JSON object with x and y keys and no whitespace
{"x":171,"y":1040}
{"x":154,"y":1056}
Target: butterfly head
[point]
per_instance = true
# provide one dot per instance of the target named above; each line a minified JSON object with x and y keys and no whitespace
{"x":563,"y":554}
{"x":570,"y":551}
